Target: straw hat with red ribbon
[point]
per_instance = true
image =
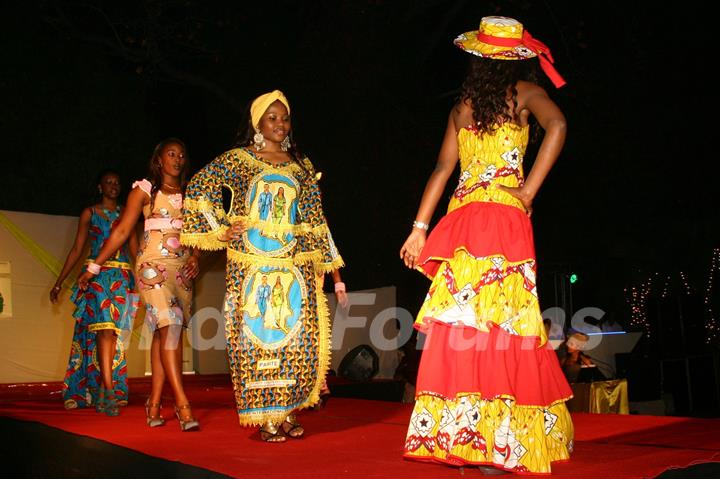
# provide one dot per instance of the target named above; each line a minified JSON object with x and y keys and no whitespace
{"x":503,"y":38}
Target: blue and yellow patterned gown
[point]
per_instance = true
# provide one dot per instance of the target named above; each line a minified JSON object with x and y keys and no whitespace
{"x":276,"y":316}
{"x":108,"y":303}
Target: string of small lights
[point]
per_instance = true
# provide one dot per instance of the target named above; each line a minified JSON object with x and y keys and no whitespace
{"x":637,"y":298}
{"x":666,"y":288}
{"x":685,"y":283}
{"x":711,"y":327}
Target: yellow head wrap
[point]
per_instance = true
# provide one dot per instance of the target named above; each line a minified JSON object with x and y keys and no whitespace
{"x":261,"y":104}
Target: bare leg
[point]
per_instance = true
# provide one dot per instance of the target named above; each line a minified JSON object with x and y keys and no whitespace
{"x":106,"y":345}
{"x":171,"y":356}
{"x":158,"y":375}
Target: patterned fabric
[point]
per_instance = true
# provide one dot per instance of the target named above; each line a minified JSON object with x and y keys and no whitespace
{"x":489,"y":161}
{"x":108,"y":303}
{"x":164,"y":289}
{"x":472,"y":430}
{"x":489,"y":389}
{"x":276,"y":317}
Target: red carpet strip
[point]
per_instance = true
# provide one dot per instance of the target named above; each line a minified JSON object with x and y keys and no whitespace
{"x":352,"y":438}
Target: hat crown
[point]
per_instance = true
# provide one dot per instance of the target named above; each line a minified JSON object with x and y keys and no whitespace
{"x":503,"y":27}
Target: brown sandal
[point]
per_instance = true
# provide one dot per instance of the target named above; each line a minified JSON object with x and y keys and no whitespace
{"x":292,"y":427}
{"x":270,"y":432}
{"x":156,"y":420}
{"x":189,"y":423}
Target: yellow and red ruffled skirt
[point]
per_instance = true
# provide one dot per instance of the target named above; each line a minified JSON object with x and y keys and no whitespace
{"x":490,"y":390}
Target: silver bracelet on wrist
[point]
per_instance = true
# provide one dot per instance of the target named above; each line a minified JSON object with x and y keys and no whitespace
{"x":421,"y":225}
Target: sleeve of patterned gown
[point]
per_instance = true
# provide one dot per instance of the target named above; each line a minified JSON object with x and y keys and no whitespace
{"x":203,"y":215}
{"x":327,"y":258}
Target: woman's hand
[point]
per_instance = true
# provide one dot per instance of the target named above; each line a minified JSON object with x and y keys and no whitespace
{"x":54,"y":293}
{"x":412,"y":248}
{"x":84,"y":279}
{"x":234,"y":232}
{"x":191,"y":268}
{"x":342,"y":298}
{"x":522,"y":194}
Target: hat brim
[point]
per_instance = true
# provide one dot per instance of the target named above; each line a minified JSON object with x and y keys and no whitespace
{"x":468,"y":41}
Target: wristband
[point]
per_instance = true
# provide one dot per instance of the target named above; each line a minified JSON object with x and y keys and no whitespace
{"x":93,"y":268}
{"x":340,"y":287}
{"x":421,"y":225}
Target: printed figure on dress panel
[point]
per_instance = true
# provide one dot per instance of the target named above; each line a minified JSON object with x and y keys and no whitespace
{"x":273,"y":299}
{"x":275,"y":203}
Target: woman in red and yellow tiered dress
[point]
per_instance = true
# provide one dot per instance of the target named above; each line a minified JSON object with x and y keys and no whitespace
{"x":490,"y":391}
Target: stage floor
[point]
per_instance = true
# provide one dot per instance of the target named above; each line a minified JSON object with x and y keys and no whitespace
{"x":349,"y":438}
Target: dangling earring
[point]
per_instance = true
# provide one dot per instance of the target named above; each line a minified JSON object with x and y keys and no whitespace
{"x":258,"y":140}
{"x":285,"y":144}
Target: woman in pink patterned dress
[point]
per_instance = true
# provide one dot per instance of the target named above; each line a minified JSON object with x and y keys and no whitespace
{"x":164,"y":271}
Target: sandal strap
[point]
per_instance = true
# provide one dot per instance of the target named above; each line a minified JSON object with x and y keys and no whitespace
{"x":269,"y":436}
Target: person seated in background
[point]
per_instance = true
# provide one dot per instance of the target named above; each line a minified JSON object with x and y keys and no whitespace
{"x":553,"y":329}
{"x":574,"y":359}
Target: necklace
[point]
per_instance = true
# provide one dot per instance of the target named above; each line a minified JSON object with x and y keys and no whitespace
{"x":171,"y":186}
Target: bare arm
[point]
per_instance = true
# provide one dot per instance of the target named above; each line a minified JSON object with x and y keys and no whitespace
{"x":120,"y":232}
{"x":133,"y":245}
{"x":126,"y":225}
{"x":340,"y":291}
{"x":75,"y":252}
{"x":447,"y":159}
{"x":192,"y":266}
{"x":551,"y":119}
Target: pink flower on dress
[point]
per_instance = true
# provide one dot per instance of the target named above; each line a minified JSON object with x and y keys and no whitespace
{"x":173,"y":242}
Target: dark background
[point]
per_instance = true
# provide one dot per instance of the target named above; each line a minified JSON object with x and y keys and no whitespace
{"x":87,"y":85}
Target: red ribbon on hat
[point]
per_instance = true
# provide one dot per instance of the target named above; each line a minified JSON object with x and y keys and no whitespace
{"x":532,"y":44}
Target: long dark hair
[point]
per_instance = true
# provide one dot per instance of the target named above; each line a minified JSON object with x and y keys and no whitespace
{"x":246,"y":132}
{"x":155,"y":168}
{"x":486,"y":87}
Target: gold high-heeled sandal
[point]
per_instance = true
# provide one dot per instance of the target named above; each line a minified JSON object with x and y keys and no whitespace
{"x":190,"y":424}
{"x":270,"y":432}
{"x":292,"y":427}
{"x":153,"y":421}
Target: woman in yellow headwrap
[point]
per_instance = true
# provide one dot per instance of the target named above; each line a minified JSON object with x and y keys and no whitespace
{"x":275,"y":370}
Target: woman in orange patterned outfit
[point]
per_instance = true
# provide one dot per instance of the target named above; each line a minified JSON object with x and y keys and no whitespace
{"x":490,"y":391}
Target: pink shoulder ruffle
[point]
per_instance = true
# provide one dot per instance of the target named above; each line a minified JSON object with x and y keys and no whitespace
{"x":144,"y":185}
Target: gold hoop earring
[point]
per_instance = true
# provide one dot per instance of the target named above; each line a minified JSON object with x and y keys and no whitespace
{"x":258,"y":140}
{"x":285,"y":144}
